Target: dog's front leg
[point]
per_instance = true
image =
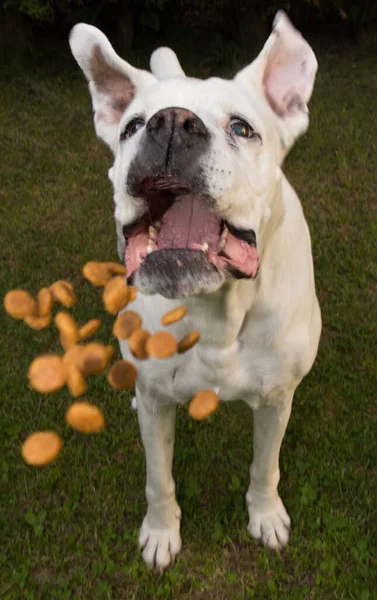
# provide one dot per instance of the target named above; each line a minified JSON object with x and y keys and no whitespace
{"x":159,"y":535}
{"x":269,"y":521}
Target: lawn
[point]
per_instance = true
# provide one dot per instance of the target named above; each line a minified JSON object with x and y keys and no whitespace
{"x":69,"y":531}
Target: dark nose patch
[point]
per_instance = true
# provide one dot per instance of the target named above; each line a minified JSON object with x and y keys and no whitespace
{"x":173,"y":144}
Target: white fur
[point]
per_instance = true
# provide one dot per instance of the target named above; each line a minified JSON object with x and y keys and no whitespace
{"x":258,"y":338}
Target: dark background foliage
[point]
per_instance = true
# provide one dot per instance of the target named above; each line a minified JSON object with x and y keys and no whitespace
{"x":30,"y":23}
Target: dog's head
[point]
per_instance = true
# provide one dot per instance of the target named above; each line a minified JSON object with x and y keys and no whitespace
{"x":197,"y":163}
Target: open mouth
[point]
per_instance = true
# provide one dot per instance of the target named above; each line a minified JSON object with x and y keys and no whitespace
{"x":177,"y":225}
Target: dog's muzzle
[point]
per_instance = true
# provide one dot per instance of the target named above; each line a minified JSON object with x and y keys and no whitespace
{"x":180,"y":247}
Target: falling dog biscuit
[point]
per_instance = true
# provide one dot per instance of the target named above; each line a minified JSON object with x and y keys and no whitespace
{"x":63,"y":293}
{"x":41,"y":448}
{"x":97,"y":273}
{"x":122,"y":375}
{"x":47,"y":373}
{"x":96,"y":357}
{"x":37,"y":322}
{"x":116,"y":295}
{"x":75,"y":356}
{"x":204,"y":404}
{"x":174,"y":315}
{"x":44,"y":301}
{"x":85,"y":417}
{"x":137,"y":343}
{"x":75,"y":381}
{"x":126,"y":324}
{"x":19,"y":304}
{"x":188,"y":341}
{"x":69,"y":332}
{"x":89,"y":329}
{"x":161,"y":344}
{"x":116,"y":268}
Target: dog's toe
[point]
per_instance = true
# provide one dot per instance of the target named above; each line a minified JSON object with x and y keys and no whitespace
{"x":160,"y":546}
{"x":269,"y":523}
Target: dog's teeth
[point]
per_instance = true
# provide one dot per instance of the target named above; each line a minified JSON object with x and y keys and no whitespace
{"x":151,"y":246}
{"x":222,"y":243}
{"x":205,"y":248}
{"x":157,"y":226}
{"x":224,"y":233}
{"x":153,"y":233}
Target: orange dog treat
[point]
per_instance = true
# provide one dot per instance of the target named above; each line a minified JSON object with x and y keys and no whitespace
{"x":97,"y":273}
{"x":47,"y":373}
{"x":89,"y":329}
{"x":36,"y":322}
{"x":19,"y":304}
{"x":96,"y":358}
{"x":69,"y":332}
{"x":122,"y":375}
{"x":137,"y":343}
{"x":161,"y":344}
{"x":63,"y":293}
{"x":41,"y":448}
{"x":174,"y":315}
{"x":75,"y":356}
{"x":188,"y":341}
{"x":44,"y":302}
{"x":116,"y":268}
{"x":126,"y":324}
{"x":203,"y":405}
{"x":133,"y":292}
{"x":85,"y":417}
{"x":75,"y":381}
{"x":115,"y":295}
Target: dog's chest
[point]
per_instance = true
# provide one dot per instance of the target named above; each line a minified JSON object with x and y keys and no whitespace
{"x":237,"y":369}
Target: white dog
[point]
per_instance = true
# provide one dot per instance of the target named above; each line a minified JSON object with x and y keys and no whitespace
{"x":206,"y":218}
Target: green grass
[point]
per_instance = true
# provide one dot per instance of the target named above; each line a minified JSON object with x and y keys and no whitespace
{"x":69,"y":531}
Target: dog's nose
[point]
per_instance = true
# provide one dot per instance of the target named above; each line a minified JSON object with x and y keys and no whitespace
{"x":178,"y":122}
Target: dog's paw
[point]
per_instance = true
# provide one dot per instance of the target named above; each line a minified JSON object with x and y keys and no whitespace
{"x":160,"y":546}
{"x":269,"y":522}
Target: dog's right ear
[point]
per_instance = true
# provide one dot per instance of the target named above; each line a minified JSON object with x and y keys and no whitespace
{"x":113,"y":82}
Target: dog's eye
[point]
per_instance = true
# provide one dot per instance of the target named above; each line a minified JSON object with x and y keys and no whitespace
{"x":132,"y":128}
{"x":241,"y":128}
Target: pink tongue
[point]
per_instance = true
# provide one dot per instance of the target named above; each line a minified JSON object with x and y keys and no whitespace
{"x":188,"y":223}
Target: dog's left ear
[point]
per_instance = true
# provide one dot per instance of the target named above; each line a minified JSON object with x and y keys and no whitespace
{"x":284,"y":72}
{"x":113,"y":83}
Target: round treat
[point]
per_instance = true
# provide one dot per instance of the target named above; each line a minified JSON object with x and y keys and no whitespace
{"x":89,"y":329}
{"x":203,"y":405}
{"x":41,"y":448}
{"x":19,"y":304}
{"x":68,"y":329}
{"x":137,"y":342}
{"x":115,"y":295}
{"x":126,"y":324}
{"x":63,"y":292}
{"x":85,"y":417}
{"x":97,"y":273}
{"x":122,"y":375}
{"x":75,"y":381}
{"x":75,"y":356}
{"x":96,"y":358}
{"x":188,"y":341}
{"x":47,"y":373}
{"x":116,"y":268}
{"x":36,"y":322}
{"x":161,"y":344}
{"x":174,"y":315}
{"x":44,"y":302}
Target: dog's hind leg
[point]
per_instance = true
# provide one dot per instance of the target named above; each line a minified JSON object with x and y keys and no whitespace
{"x":159,"y":535}
{"x":269,"y":521}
